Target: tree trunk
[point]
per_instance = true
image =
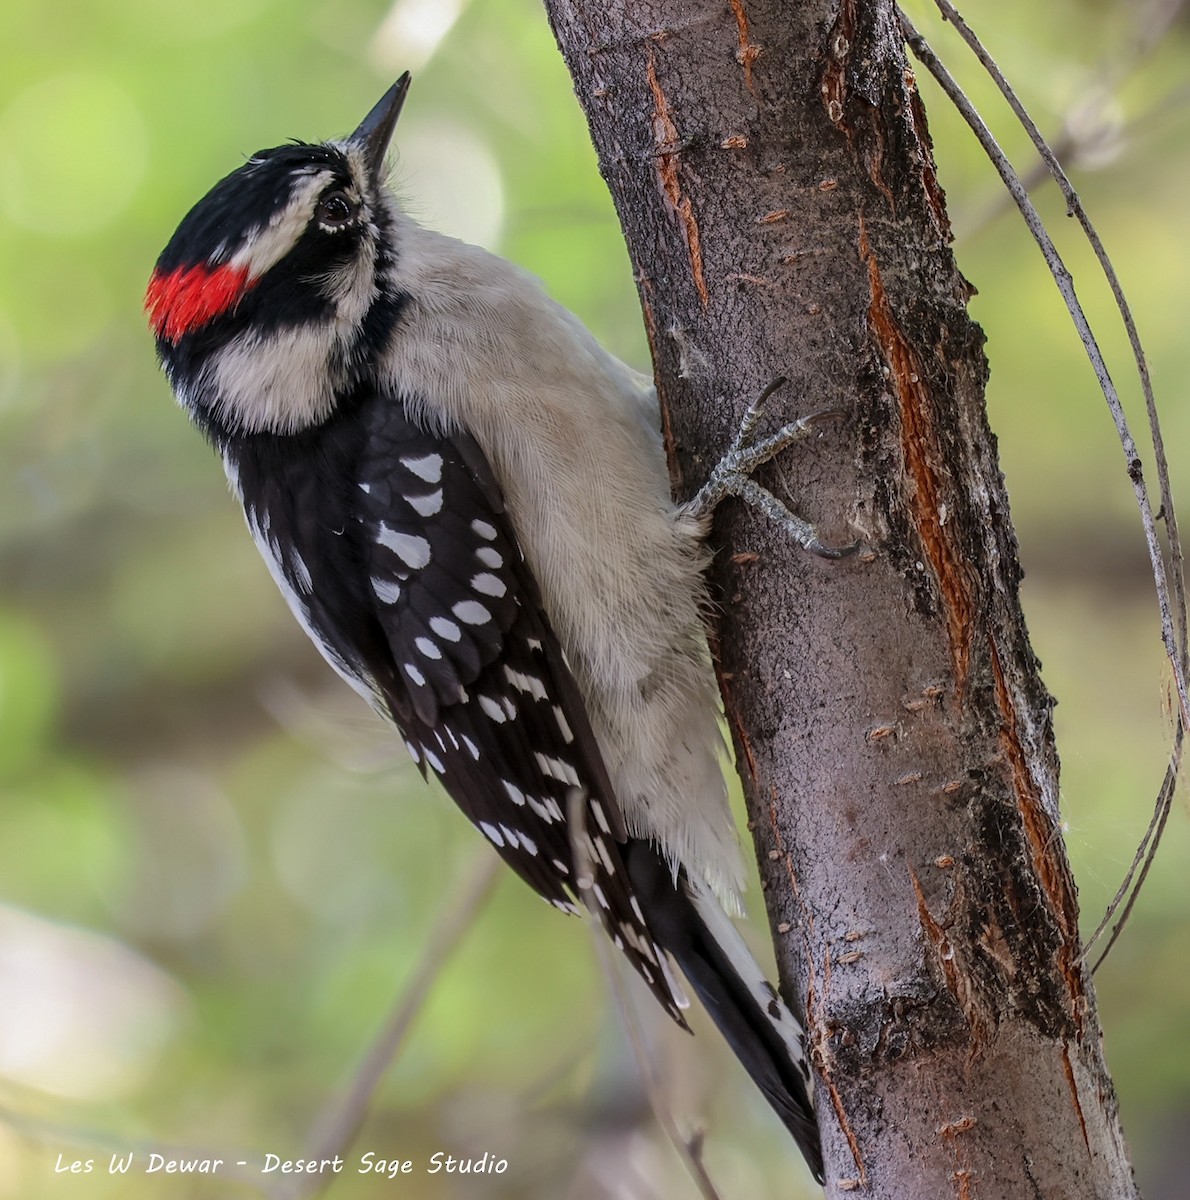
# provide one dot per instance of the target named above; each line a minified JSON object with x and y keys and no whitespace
{"x":774,"y":178}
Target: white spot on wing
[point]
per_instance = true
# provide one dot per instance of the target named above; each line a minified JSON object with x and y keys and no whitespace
{"x":515,"y":836}
{"x":484,"y":530}
{"x":428,"y":467}
{"x":446,"y":629}
{"x":555,"y":768}
{"x":414,"y":674}
{"x":426,"y":506}
{"x":411,"y":549}
{"x":471,"y":612}
{"x":526,"y":683}
{"x":492,"y":832}
{"x":488,"y":585}
{"x":540,"y":809}
{"x":387,"y":591}
{"x":604,"y":857}
{"x":427,"y":647}
{"x":490,"y":556}
{"x":493,"y":709}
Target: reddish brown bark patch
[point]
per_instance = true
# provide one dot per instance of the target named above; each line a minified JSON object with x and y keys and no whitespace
{"x":922,"y":454}
{"x":665,"y":134}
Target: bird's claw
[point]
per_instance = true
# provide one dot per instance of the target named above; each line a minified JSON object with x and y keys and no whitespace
{"x":732,"y":475}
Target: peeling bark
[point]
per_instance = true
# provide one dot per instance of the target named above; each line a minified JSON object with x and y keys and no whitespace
{"x":773,"y":172}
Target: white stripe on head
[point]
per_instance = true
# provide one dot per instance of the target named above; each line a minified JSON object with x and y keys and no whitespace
{"x":267,"y":245}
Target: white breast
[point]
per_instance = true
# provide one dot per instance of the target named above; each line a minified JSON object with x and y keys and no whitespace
{"x":572,"y":435}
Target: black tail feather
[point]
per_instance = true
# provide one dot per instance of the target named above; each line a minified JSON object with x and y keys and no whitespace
{"x":747,"y":1009}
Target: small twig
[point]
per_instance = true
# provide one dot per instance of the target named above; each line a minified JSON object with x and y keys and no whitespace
{"x":1075,"y":207}
{"x":1142,"y":860}
{"x":1175,"y":643}
{"x":688,"y":1149}
{"x":342,"y":1117}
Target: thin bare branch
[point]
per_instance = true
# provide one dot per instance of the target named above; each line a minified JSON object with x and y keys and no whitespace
{"x":1174,"y":641}
{"x":1142,"y":860}
{"x":1075,"y":207}
{"x":340,"y":1120}
{"x":689,"y":1149}
{"x":1149,"y":34}
{"x":1151,"y":29}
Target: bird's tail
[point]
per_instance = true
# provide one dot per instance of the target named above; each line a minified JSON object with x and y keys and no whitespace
{"x":766,"y":1037}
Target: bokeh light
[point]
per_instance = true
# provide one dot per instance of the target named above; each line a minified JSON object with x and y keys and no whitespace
{"x":73,"y":147}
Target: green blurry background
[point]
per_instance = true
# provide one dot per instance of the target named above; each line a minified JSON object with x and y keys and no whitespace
{"x":216,"y":869}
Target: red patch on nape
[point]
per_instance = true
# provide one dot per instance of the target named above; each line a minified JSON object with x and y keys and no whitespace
{"x":188,"y":297}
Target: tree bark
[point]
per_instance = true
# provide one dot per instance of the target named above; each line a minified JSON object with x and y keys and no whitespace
{"x":773,"y":173}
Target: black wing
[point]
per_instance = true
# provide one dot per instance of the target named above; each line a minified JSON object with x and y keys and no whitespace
{"x":487,"y":701}
{"x":394,"y":549}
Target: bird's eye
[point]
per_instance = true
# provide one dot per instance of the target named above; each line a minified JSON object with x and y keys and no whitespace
{"x":336,"y":209}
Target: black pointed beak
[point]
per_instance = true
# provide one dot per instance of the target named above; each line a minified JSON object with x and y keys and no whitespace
{"x":376,"y":129}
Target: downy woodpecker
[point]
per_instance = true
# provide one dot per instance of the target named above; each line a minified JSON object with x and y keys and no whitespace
{"x":465,"y":501}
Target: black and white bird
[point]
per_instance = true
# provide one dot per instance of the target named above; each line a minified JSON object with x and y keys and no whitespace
{"x":465,"y":501}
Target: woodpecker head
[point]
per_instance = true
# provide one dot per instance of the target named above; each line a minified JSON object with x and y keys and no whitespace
{"x":273,"y":288}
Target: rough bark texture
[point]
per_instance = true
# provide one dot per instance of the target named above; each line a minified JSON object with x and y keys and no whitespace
{"x":773,"y":173}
